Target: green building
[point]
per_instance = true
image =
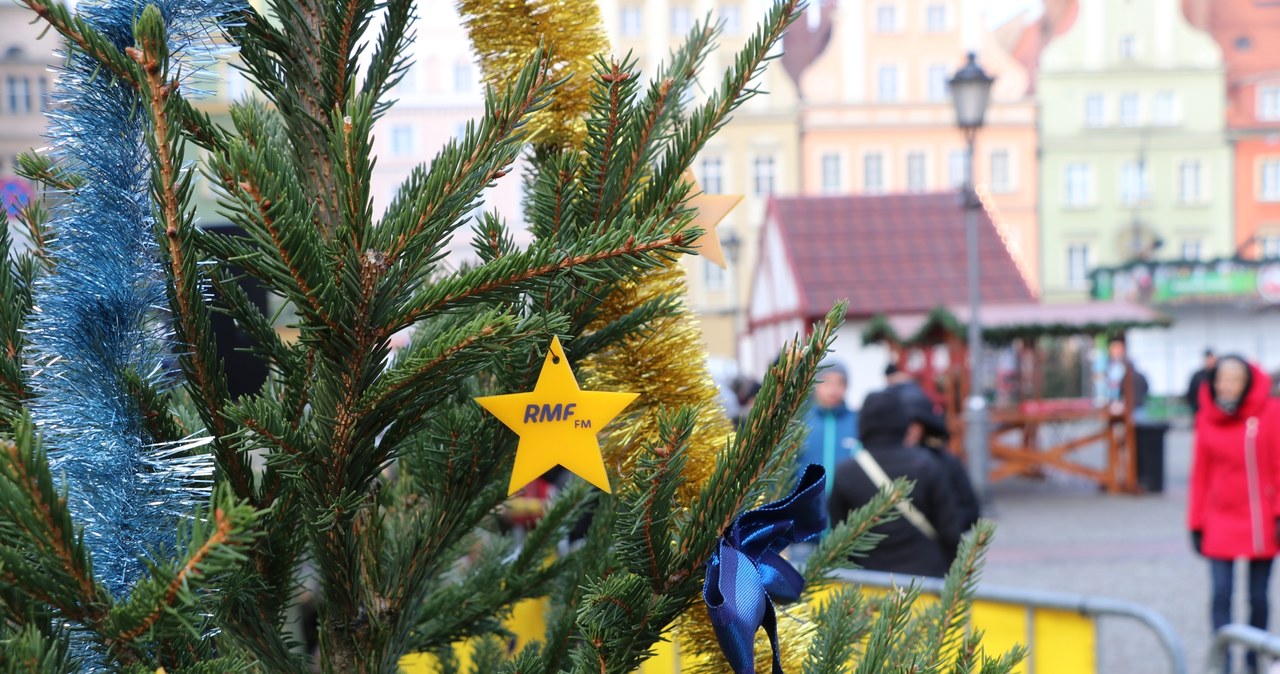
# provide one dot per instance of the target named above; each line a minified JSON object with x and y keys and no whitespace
{"x":1135,"y":162}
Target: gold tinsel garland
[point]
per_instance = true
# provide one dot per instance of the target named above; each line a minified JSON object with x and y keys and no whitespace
{"x":666,"y":363}
{"x":505,"y":33}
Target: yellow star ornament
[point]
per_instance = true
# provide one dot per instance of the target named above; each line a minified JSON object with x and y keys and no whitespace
{"x":711,"y":209}
{"x":557,"y":423}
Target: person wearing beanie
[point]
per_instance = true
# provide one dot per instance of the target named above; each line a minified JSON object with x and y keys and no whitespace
{"x":833,"y":427}
{"x":917,"y":542}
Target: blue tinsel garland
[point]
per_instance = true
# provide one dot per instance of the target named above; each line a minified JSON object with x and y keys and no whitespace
{"x":101,"y":313}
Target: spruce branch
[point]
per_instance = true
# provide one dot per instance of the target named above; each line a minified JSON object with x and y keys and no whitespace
{"x":172,"y":187}
{"x":843,"y":620}
{"x":45,"y":170}
{"x":42,"y":552}
{"x":388,"y":64}
{"x":853,"y":537}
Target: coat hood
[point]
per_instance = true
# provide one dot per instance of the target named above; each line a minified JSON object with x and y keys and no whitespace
{"x":1255,"y":400}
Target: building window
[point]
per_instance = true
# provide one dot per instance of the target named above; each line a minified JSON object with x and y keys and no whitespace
{"x":1269,"y":246}
{"x":1128,"y":47}
{"x":19,"y":95}
{"x":1079,"y":185}
{"x":935,"y":18}
{"x":401,"y":141}
{"x":886,"y":19}
{"x":1270,"y":188}
{"x":873,"y":173}
{"x":462,"y":77}
{"x":887,"y":84}
{"x":731,"y":16}
{"x":1164,"y":109}
{"x":1133,"y":183}
{"x":1269,"y":103}
{"x":45,"y":99}
{"x":916,"y":179}
{"x":713,"y":277}
{"x":681,"y":20}
{"x":1190,"y":182}
{"x":1129,"y":109}
{"x":1001,"y":176}
{"x":936,"y":77}
{"x":1192,"y":250}
{"x":1094,"y":113}
{"x":712,"y":175}
{"x":831,"y":173}
{"x":763,"y":177}
{"x":957,"y":168}
{"x":632,"y":21}
{"x":1078,"y":266}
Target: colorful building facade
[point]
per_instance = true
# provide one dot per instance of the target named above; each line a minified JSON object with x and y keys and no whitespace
{"x":1135,"y":162}
{"x":25,"y":87}
{"x":1248,"y":33}
{"x":878,"y":118}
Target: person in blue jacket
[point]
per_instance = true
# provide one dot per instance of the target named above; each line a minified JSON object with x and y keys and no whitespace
{"x":833,"y":427}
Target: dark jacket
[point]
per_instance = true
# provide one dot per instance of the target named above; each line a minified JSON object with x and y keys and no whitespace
{"x":1193,"y":390}
{"x":905,"y":549}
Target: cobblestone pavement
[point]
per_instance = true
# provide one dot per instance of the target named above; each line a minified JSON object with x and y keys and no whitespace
{"x":1062,"y":534}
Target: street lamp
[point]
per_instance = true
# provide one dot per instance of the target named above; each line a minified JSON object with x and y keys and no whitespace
{"x":970,"y":92}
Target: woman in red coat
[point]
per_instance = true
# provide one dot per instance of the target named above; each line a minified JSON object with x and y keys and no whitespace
{"x":1235,"y":484}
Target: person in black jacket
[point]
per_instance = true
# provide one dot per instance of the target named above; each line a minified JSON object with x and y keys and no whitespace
{"x":1197,"y":382}
{"x":906,"y":548}
{"x":928,"y":429}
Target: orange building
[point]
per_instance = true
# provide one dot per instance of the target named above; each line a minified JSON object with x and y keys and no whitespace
{"x":878,"y":119}
{"x":1249,"y":34}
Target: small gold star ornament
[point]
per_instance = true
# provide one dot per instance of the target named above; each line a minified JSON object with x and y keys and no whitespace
{"x":711,"y":209}
{"x":557,"y":423}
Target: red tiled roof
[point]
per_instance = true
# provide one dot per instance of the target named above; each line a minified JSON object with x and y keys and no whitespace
{"x":891,"y":254}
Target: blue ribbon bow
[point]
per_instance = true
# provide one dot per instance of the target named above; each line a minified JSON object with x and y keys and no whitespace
{"x":747,"y":574}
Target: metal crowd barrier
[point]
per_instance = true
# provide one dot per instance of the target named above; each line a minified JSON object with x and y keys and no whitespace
{"x":1036,"y":601}
{"x":1267,"y":645}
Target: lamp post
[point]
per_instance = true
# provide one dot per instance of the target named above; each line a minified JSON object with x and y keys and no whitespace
{"x":970,"y":92}
{"x":732,"y":245}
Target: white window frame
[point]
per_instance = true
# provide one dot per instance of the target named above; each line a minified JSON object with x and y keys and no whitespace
{"x":1087,"y":196}
{"x":1192,"y":250}
{"x":1269,"y":172}
{"x":714,"y":278}
{"x":19,"y":98}
{"x":1131,"y":173}
{"x":929,"y":26}
{"x":924,"y":171}
{"x":879,"y":184}
{"x":1198,"y":194}
{"x":957,"y":159}
{"x":1091,"y":120}
{"x":1165,"y":115}
{"x":1268,"y":103}
{"x":936,"y":87}
{"x":1128,"y":47}
{"x":731,"y":17}
{"x":764,"y":168}
{"x":631,"y":21}
{"x":463,"y":77}
{"x":1136,"y":100}
{"x":1269,"y":246}
{"x":1010,"y":183}
{"x":831,"y":169}
{"x":402,"y":141}
{"x":1078,"y":264}
{"x":895,"y":22}
{"x":881,"y":71}
{"x":712,"y":169}
{"x":681,"y":20}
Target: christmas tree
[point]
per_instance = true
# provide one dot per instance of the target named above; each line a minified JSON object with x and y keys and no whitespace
{"x":150,"y":519}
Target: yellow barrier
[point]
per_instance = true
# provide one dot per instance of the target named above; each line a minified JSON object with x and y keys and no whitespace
{"x":1063,"y":642}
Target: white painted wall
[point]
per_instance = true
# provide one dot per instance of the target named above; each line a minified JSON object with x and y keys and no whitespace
{"x":1169,"y":356}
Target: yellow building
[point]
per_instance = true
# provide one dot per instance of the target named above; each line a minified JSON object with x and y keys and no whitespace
{"x":756,"y":154}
